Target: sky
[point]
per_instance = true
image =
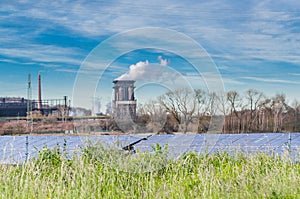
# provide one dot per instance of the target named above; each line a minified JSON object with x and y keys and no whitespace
{"x":162,"y":44}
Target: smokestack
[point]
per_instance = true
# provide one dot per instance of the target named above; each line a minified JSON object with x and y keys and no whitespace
{"x":39,"y":92}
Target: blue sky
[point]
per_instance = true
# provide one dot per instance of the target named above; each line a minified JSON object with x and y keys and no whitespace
{"x":254,"y":44}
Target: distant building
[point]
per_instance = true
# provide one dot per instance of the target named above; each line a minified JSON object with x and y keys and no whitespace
{"x":16,"y":106}
{"x":124,"y":103}
{"x":13,"y":107}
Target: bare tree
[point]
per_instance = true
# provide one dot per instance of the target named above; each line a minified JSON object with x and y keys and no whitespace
{"x":296,"y":108}
{"x":251,"y":112}
{"x":201,"y":100}
{"x":237,"y":108}
{"x":182,"y":104}
{"x":215,"y":121}
{"x":224,"y":108}
{"x":254,"y":98}
{"x":201,"y":110}
{"x":186,"y":103}
{"x":265,"y":111}
{"x":278,"y":107}
{"x":212,"y":103}
{"x":157,"y":114}
{"x":168,"y":102}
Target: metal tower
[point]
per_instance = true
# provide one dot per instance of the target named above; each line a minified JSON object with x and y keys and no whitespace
{"x":29,"y":104}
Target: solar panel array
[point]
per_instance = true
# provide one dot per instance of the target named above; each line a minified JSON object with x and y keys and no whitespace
{"x":275,"y":143}
{"x":16,"y":149}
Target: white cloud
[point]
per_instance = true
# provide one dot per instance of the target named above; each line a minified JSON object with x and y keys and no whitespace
{"x":231,"y":30}
{"x":250,"y":32}
{"x":43,"y":53}
{"x":295,"y":74}
{"x":271,"y":80}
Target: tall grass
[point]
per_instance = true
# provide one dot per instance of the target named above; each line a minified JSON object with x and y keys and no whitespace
{"x":102,"y":173}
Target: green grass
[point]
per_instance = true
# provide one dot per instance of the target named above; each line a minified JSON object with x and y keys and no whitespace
{"x":100,"y":173}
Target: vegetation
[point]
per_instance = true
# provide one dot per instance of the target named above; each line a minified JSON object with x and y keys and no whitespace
{"x":185,"y":110}
{"x":47,"y":125}
{"x":101,"y":173}
{"x":248,"y":112}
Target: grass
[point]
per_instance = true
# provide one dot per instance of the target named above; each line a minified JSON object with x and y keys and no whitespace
{"x":101,"y":173}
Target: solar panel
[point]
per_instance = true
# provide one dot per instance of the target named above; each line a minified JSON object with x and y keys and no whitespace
{"x":13,"y":149}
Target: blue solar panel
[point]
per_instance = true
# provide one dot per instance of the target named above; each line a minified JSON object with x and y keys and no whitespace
{"x":162,"y":140}
{"x":13,"y":148}
{"x":249,"y":143}
{"x":295,"y":142}
{"x":198,"y":140}
{"x":9,"y":153}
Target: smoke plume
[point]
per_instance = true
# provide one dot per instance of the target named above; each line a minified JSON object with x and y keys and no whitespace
{"x":143,"y":70}
{"x":163,"y":62}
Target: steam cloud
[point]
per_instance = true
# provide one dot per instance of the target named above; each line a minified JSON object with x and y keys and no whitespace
{"x":163,"y":62}
{"x":143,"y":70}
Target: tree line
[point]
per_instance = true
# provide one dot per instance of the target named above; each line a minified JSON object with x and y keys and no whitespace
{"x":186,"y":110}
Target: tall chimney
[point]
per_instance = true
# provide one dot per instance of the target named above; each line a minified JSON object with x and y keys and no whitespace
{"x":39,"y":92}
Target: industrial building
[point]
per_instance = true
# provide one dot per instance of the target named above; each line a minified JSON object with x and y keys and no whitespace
{"x":13,"y":107}
{"x":21,"y":107}
{"x":124,"y":103}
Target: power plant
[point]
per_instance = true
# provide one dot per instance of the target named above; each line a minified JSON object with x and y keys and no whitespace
{"x":124,"y":103}
{"x":21,"y":107}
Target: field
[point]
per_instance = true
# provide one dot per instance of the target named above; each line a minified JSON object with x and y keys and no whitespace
{"x":101,"y":173}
